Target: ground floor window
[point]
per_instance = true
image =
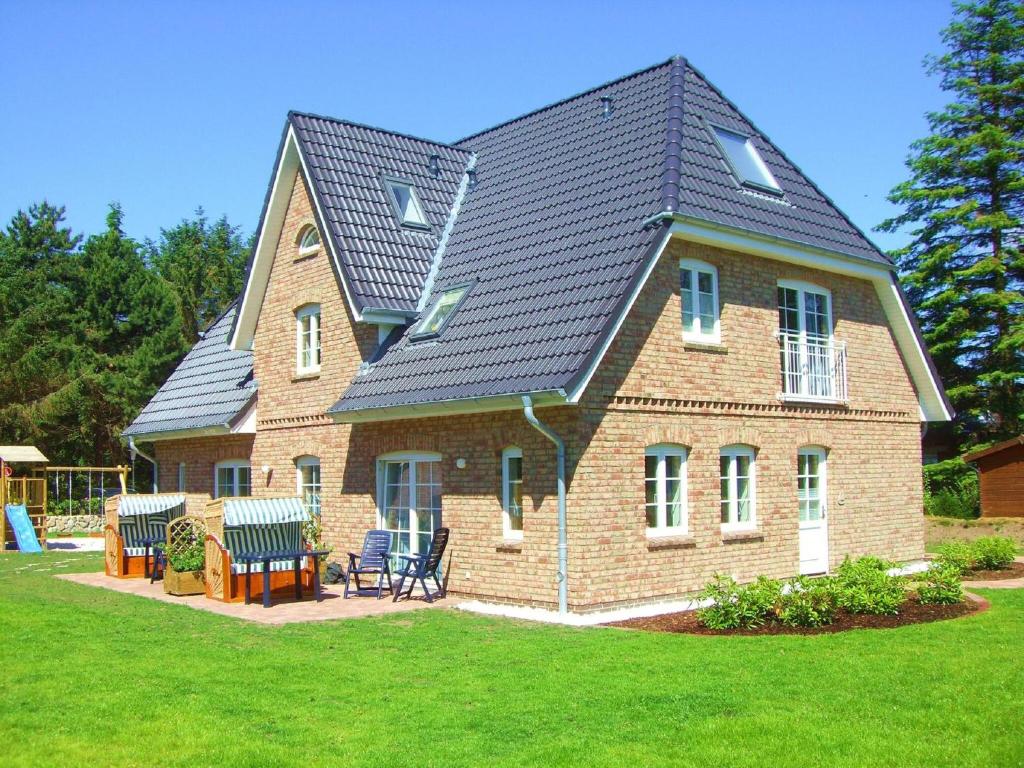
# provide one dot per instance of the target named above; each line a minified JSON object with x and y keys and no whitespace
{"x":308,"y":481}
{"x":409,"y":493}
{"x":736,"y":463}
{"x":232,"y":478}
{"x":665,"y":481}
{"x":512,"y":492}
{"x":181,"y":476}
{"x":810,"y":483}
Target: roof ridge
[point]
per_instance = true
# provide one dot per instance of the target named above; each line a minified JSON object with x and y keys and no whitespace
{"x":672,"y":172}
{"x":368,"y":127}
{"x":560,"y":102}
{"x":797,"y":168}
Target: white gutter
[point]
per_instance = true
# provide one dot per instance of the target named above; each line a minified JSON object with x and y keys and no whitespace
{"x":563,"y":545}
{"x":156,"y":468}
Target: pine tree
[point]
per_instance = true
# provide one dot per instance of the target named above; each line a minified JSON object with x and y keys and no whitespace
{"x":964,"y":269}
{"x":204,"y":264}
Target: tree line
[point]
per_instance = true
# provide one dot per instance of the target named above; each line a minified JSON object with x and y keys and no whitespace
{"x":91,"y":326}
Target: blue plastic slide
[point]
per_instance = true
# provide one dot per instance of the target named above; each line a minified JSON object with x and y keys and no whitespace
{"x":17,"y":516}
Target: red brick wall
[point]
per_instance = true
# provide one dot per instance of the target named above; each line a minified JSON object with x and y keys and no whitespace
{"x":199,"y":454}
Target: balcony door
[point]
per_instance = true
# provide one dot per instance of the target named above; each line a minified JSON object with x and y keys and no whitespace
{"x":805,"y":337}
{"x":409,"y":494}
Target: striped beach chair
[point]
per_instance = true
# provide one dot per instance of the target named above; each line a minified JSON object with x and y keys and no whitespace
{"x":135,"y":523}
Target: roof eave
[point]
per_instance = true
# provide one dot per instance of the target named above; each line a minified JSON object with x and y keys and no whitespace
{"x":453,"y":407}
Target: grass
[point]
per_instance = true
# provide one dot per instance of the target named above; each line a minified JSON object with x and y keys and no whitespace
{"x":90,"y":677}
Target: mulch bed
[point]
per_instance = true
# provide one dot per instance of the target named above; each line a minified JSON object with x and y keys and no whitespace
{"x":912,"y":612}
{"x":1014,"y":570}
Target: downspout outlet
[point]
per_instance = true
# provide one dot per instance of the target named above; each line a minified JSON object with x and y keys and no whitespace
{"x":156,"y":468}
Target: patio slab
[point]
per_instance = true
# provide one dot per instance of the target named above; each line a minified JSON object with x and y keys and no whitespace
{"x":283,"y":610}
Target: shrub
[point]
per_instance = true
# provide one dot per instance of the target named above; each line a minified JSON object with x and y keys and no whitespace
{"x":942,"y":585}
{"x":865,"y":586}
{"x":951,"y":490}
{"x":956,"y":554}
{"x":993,"y":552}
{"x":737,"y":607}
{"x":189,"y":558}
{"x":808,"y":603}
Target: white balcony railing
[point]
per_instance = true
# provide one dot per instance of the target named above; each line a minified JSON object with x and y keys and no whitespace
{"x":813,"y":369}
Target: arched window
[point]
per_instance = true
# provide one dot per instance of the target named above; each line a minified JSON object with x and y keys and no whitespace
{"x":307,"y":339}
{"x":309,"y":241}
{"x":307,"y":481}
{"x":738,"y":485}
{"x":698,"y":284}
{"x":512,"y":492}
{"x":665,"y":485}
{"x":232,"y":478}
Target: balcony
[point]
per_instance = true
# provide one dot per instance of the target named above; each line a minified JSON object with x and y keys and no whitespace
{"x":813,"y":369}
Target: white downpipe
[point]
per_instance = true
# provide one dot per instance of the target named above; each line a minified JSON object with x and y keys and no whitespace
{"x":156,"y":468}
{"x":563,"y":545}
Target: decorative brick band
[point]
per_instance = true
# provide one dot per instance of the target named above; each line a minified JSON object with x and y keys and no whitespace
{"x":673,"y":405}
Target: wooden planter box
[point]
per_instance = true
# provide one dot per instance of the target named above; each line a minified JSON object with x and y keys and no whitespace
{"x":183,"y":582}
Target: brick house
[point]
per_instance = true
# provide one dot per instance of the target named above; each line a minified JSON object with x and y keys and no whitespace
{"x":635,"y":279}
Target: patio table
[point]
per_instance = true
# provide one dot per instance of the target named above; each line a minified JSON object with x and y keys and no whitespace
{"x":266,"y":558}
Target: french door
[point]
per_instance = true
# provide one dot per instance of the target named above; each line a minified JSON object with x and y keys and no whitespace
{"x":811,"y":498}
{"x":410,"y":500}
{"x":805,"y":335}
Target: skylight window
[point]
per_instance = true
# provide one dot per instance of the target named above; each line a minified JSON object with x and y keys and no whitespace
{"x":438,"y":316}
{"x":745,"y":161}
{"x":406,"y":203}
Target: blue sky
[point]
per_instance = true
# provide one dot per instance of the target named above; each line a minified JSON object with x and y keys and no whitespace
{"x":167,"y":106}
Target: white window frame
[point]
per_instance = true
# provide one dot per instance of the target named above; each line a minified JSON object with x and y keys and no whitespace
{"x":414,"y":458}
{"x":512,"y":452}
{"x":309,"y":311}
{"x":688,"y":270}
{"x":661,"y":451}
{"x":301,"y":463}
{"x":731,"y":452}
{"x":307,"y":250}
{"x":803,"y":288}
{"x":181,"y":475}
{"x":770,"y":184}
{"x":235,"y":465}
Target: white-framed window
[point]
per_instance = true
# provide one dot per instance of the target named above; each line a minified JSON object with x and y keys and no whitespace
{"x":805,"y":309}
{"x":665,"y":489}
{"x":409,"y":498}
{"x":810,"y":483}
{"x":438,"y":316}
{"x":309,"y":241}
{"x":307,"y":482}
{"x":813,"y":364}
{"x":232,"y":478}
{"x":307,"y":339}
{"x":512,"y":492}
{"x":738,"y":487}
{"x":181,"y":475}
{"x":406,"y":203}
{"x":698,"y":283}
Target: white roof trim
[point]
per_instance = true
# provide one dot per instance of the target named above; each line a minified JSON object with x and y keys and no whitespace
{"x":446,"y":408}
{"x":932,"y":403}
{"x":269,"y":236}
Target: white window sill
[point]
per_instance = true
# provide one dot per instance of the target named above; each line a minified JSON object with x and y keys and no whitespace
{"x":313,"y":373}
{"x":704,"y":345}
{"x":509,"y":544}
{"x":670,"y":541}
{"x":741,"y":533}
{"x":305,"y":253}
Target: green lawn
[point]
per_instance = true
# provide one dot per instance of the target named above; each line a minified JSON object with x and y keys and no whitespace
{"x":94,"y":678}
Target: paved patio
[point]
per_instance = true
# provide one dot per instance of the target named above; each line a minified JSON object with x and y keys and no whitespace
{"x":283,"y":611}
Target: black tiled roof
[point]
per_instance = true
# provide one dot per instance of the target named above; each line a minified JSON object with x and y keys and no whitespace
{"x":385,"y":264}
{"x":209,"y":388}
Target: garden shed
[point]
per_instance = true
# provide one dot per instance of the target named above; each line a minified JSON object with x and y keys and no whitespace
{"x":1001,"y":477}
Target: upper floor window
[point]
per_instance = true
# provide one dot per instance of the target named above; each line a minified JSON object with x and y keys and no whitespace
{"x":232,"y":478}
{"x":813,"y":364}
{"x":745,"y":161}
{"x":698,"y":284}
{"x":443,"y":308}
{"x":736,"y":464}
{"x":309,"y":241}
{"x":665,"y":484}
{"x":307,"y":471}
{"x":307,"y":335}
{"x":406,"y":203}
{"x":512,"y":492}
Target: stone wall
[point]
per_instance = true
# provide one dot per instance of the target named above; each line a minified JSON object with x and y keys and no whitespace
{"x":65,"y":525}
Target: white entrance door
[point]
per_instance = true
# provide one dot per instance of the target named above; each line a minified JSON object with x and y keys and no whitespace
{"x":410,"y":494}
{"x":811,"y":496}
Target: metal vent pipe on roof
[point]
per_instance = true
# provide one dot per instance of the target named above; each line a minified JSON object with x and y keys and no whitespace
{"x":434,"y":165}
{"x":607,"y":106}
{"x":471,"y":175}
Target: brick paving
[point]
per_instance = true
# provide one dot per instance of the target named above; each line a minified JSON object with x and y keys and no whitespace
{"x":283,"y":610}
